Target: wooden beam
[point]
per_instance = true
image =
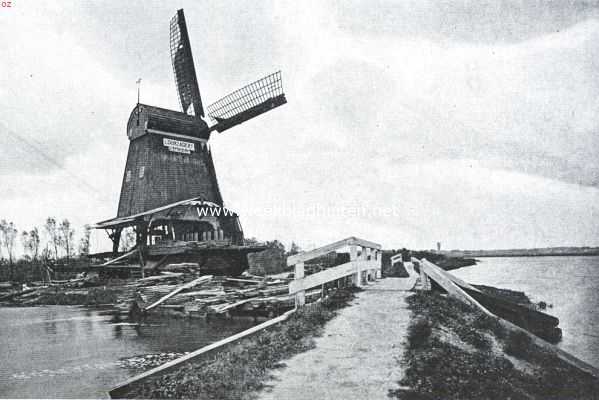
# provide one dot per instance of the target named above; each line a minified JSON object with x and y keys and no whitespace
{"x":298,"y":276}
{"x":188,"y":285}
{"x":330,"y":274}
{"x":129,"y":253}
{"x":166,"y":275}
{"x":142,"y":263}
{"x":442,"y":278}
{"x":321,"y":251}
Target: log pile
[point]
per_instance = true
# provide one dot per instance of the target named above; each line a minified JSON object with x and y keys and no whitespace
{"x":174,"y":293}
{"x":33,"y":292}
{"x":186,"y":295}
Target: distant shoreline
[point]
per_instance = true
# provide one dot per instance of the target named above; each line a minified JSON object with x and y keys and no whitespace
{"x":539,"y":255}
{"x":548,"y":252}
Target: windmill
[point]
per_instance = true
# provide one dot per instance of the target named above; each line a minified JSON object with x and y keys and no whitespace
{"x":169,"y":176}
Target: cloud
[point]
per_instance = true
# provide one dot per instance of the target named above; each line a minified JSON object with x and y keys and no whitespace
{"x":476,"y":121}
{"x":471,"y":21}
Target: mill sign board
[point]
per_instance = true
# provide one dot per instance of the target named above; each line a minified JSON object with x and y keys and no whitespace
{"x":178,"y":146}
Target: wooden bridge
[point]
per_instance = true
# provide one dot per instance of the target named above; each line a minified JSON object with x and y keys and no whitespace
{"x":365,"y":263}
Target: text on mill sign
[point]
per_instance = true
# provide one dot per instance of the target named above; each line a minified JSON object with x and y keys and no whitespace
{"x":178,"y":146}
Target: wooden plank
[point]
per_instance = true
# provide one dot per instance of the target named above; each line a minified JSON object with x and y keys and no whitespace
{"x":121,"y":389}
{"x":365,"y":243}
{"x":319,"y":278}
{"x":121,"y":220}
{"x":250,"y":281}
{"x":441,"y":277}
{"x":166,"y":275}
{"x":119,"y":258}
{"x":188,"y":285}
{"x":534,"y":315}
{"x":461,"y":283}
{"x":321,"y":251}
{"x":396,"y":258}
{"x":233,"y":305}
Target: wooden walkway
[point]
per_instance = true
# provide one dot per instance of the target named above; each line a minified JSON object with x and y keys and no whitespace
{"x":358,"y":355}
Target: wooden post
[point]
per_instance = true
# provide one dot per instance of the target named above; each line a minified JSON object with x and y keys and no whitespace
{"x":424,"y":279}
{"x":369,"y":256}
{"x":141,"y":261}
{"x":300,"y":297}
{"x":353,"y":256}
{"x":115,"y":236}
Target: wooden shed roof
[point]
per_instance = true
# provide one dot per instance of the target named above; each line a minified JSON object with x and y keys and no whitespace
{"x":129,"y":220}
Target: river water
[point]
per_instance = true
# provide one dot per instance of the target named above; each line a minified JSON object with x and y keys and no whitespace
{"x":570,"y":284}
{"x":75,"y":352}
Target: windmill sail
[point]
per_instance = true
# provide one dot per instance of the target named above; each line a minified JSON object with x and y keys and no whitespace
{"x":248,"y":102}
{"x":185,"y":74}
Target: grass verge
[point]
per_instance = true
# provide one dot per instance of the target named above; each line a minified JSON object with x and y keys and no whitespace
{"x":464,"y":354}
{"x":240,"y":370}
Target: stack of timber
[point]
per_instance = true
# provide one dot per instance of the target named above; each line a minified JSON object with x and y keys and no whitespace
{"x":187,"y":295}
{"x":33,"y":292}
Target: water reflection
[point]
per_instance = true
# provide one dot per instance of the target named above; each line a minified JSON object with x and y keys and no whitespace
{"x":65,"y":351}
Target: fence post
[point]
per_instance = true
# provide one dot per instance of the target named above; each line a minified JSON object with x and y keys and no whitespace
{"x":378,"y":257}
{"x":353,"y":257}
{"x":300,"y":297}
{"x":424,"y":279}
{"x":367,"y":262}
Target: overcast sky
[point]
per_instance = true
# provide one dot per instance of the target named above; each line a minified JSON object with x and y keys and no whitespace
{"x":476,"y":122}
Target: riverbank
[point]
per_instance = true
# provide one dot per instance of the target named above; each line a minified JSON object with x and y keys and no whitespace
{"x":454,"y":351}
{"x":241,"y":370}
{"x":65,"y":296}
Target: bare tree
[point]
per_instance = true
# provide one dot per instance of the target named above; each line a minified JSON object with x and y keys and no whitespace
{"x":8,"y":233}
{"x":31,"y":243}
{"x":65,"y":237}
{"x":294,"y":249}
{"x":84,"y":241}
{"x":128,"y":239}
{"x":31,"y":247}
{"x":53,"y":235}
{"x":24,"y":242}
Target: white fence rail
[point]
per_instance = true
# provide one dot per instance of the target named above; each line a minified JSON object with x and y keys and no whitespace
{"x":362,"y":267}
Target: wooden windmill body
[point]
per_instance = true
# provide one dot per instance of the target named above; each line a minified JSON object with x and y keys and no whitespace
{"x":170,"y":194}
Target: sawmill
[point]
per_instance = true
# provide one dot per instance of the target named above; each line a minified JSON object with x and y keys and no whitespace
{"x":170,"y":198}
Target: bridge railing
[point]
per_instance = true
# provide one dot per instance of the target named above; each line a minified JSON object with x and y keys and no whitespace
{"x":362,"y":267}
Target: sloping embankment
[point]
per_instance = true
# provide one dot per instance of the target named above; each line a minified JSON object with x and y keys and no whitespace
{"x":454,"y":351}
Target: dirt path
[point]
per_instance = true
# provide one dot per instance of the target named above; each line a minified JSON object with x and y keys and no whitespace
{"x":357,"y":357}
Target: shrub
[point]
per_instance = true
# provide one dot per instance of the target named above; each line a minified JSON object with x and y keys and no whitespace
{"x":490,"y":324}
{"x":418,"y":333}
{"x":474,"y":337}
